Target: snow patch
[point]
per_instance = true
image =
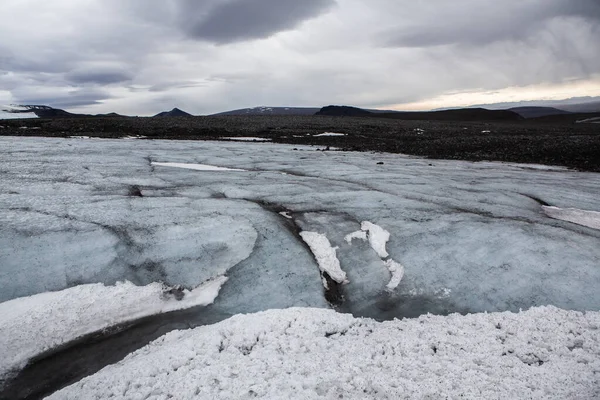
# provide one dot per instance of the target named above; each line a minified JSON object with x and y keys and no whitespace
{"x":134,"y":137}
{"x":325,"y":255}
{"x":330,"y":134}
{"x":298,"y":353}
{"x":32,"y":325}
{"x":362,"y":235}
{"x":16,"y":112}
{"x":397,"y":271}
{"x":196,"y":167}
{"x":378,"y":238}
{"x":285,"y":214}
{"x":591,"y":219}
{"x":246,"y":139}
{"x":595,"y":120}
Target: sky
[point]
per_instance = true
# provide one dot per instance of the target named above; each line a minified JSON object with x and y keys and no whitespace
{"x":140,"y":57}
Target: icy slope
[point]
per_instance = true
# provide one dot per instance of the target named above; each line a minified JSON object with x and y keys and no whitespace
{"x":543,"y":353}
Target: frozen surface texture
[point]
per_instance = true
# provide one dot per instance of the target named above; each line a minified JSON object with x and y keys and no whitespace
{"x":543,"y":353}
{"x":30,"y":326}
{"x":471,"y":236}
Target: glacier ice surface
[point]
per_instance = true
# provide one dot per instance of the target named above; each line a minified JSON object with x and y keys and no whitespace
{"x":471,"y":236}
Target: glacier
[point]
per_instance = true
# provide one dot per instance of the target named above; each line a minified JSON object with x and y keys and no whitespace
{"x":412,"y":236}
{"x":80,"y":211}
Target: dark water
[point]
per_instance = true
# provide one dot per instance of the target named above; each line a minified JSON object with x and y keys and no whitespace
{"x":69,"y":364}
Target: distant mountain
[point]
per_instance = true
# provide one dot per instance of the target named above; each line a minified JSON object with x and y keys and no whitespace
{"x":462,"y":114}
{"x":534,"y":112}
{"x":271,"y":111}
{"x":591,"y":107}
{"x":16,"y":112}
{"x":40,"y":111}
{"x":49,"y":112}
{"x":574,"y":104}
{"x":176,"y":112}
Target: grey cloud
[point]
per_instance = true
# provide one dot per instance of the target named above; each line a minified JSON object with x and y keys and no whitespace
{"x":478,"y":23}
{"x":240,"y":20}
{"x":98,"y":77}
{"x":142,"y":56}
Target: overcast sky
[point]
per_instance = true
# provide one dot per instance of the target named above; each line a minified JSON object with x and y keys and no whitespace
{"x":140,"y":57}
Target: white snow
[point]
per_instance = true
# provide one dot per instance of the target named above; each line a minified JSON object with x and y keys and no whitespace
{"x":246,"y":139}
{"x":5,"y":112}
{"x":591,"y":219}
{"x":542,"y":353}
{"x":594,"y":120}
{"x":285,"y":214}
{"x":362,"y":235}
{"x":197,"y":167}
{"x":87,"y":137}
{"x":378,"y":238}
{"x":330,"y":134}
{"x":32,"y":325}
{"x":397,"y":271}
{"x":325,"y":255}
{"x":134,"y":137}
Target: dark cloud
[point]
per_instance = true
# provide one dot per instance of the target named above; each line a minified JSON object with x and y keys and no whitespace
{"x":476,"y":23}
{"x":240,"y":20}
{"x":98,"y":77}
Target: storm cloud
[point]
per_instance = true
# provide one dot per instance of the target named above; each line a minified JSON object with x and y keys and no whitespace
{"x":143,"y":56}
{"x":241,"y":20}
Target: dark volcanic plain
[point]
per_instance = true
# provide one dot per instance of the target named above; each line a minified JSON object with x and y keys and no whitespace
{"x":564,"y":144}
